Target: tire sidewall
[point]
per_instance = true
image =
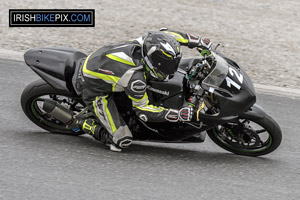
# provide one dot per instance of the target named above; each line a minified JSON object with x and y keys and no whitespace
{"x":34,"y":90}
{"x":267,"y":123}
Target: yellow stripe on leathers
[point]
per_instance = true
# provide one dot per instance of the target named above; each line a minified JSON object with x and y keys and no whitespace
{"x":149,"y":108}
{"x":110,"y":119}
{"x":116,"y":58}
{"x":95,"y":108}
{"x":178,"y":37}
{"x":99,"y":75}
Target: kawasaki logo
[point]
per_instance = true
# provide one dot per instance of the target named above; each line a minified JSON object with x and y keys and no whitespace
{"x":158,"y":91}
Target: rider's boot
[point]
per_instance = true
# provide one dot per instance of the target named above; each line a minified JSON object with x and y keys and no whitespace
{"x":94,"y":129}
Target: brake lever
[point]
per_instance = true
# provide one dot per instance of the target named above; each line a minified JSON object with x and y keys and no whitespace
{"x":217,"y":46}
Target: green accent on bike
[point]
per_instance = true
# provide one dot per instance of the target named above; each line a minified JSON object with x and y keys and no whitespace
{"x":43,"y":121}
{"x":228,"y":130}
{"x":241,"y":150}
{"x":190,"y":104}
{"x":205,"y":52}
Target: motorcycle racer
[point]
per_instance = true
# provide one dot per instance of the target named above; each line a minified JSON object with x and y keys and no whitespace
{"x":126,"y":67}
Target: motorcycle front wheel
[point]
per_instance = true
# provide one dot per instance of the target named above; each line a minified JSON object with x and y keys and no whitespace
{"x":255,"y":137}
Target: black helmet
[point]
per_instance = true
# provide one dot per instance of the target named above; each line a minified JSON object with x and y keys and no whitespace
{"x":161,"y":54}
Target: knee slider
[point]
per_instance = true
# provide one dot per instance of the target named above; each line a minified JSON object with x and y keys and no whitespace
{"x":122,"y":137}
{"x":124,"y":142}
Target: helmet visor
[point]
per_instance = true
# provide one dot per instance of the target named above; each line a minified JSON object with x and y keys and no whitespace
{"x":160,"y":75}
{"x":155,"y":72}
{"x":167,"y":66}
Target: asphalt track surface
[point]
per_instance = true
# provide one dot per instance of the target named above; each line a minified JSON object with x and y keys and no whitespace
{"x":36,"y":164}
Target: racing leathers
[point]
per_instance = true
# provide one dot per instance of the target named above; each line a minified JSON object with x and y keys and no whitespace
{"x":119,"y":68}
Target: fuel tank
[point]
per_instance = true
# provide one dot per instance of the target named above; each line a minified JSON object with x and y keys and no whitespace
{"x":169,"y":93}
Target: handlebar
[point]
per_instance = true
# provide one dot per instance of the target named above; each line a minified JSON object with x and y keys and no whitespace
{"x":201,"y":69}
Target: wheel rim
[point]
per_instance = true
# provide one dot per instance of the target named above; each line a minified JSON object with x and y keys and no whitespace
{"x":244,"y":136}
{"x":70,"y":103}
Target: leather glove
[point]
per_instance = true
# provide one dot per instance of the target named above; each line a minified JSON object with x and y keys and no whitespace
{"x":172,"y":115}
{"x":185,"y":114}
{"x":196,"y":41}
{"x":205,"y":43}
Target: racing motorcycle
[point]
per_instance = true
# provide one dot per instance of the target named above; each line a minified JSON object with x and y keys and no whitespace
{"x":220,"y":92}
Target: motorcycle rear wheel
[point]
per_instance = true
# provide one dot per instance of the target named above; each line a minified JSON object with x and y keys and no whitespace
{"x":32,"y":100}
{"x":255,"y":137}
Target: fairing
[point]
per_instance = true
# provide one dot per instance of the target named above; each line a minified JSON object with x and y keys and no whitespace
{"x":169,"y":93}
{"x":55,"y":65}
{"x":231,"y":86}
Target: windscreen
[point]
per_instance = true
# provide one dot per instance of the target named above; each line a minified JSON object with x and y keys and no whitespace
{"x":218,"y":74}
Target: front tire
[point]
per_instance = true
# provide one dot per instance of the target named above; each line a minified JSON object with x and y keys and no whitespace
{"x":32,"y":100}
{"x":243,"y":139}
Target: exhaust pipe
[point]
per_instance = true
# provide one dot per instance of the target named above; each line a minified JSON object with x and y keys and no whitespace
{"x":59,"y":112}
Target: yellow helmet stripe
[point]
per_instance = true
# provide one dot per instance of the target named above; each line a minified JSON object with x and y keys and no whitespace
{"x":166,"y":54}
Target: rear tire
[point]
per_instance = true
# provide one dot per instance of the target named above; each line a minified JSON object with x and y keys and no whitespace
{"x":29,"y":101}
{"x":272,"y":142}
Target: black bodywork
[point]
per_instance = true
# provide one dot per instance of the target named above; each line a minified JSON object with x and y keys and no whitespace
{"x":55,"y":65}
{"x":233,"y":101}
{"x":58,"y":65}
